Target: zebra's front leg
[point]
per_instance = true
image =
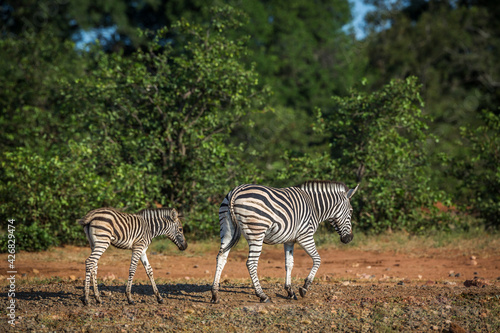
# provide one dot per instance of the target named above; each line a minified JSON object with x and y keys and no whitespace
{"x":255,"y":248}
{"x":288,"y":268}
{"x":149,"y":272}
{"x":136,"y":254}
{"x":310,"y":247}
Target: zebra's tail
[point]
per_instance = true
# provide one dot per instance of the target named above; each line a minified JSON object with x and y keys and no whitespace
{"x":237,"y":232}
{"x":87,"y":218}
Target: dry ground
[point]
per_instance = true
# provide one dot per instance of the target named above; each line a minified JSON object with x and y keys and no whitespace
{"x":358,"y":290}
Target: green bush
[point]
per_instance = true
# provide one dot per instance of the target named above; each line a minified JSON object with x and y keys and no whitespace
{"x":46,"y":195}
{"x":378,"y":140}
{"x":479,"y":171}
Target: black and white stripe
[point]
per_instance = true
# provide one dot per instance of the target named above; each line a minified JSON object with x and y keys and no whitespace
{"x":281,"y":216}
{"x":108,"y":226}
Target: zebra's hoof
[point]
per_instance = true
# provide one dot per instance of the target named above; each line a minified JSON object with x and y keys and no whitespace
{"x":85,"y":302}
{"x":265,"y":300}
{"x":291,"y":295}
{"x":131,"y":302}
{"x":302,"y":291}
{"x":161,"y":301}
{"x":214,"y":300}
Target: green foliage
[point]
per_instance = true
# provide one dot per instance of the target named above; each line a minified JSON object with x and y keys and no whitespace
{"x":169,"y":108}
{"x":46,"y":194}
{"x":479,"y":172}
{"x":30,"y":68}
{"x":378,"y":139}
{"x":452,"y":47}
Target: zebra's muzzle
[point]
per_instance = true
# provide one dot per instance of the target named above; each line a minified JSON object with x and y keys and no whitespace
{"x":181,"y":243}
{"x":347,"y":238}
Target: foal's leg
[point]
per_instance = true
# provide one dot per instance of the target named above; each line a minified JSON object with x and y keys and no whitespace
{"x":137,"y":251}
{"x":149,"y":272}
{"x":288,"y":268}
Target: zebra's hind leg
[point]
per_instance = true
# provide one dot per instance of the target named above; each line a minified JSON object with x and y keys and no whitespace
{"x":136,"y":255}
{"x":98,"y":247}
{"x":228,"y":231}
{"x":288,"y":268}
{"x":310,"y":247}
{"x":255,"y":248}
{"x":149,"y":272}
{"x":221,"y":262}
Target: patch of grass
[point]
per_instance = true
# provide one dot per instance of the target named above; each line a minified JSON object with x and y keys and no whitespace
{"x":475,"y":241}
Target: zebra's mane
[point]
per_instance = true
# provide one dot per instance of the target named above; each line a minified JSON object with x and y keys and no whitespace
{"x":325,"y":184}
{"x":162,"y":211}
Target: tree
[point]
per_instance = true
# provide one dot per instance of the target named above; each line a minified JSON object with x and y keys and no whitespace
{"x":149,"y":129}
{"x":170,"y":108}
{"x":451,"y":46}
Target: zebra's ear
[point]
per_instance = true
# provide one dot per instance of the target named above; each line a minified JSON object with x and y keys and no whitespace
{"x":351,"y":192}
{"x":174,"y":213}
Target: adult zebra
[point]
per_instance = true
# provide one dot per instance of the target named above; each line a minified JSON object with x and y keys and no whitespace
{"x":281,"y":216}
{"x":105,"y":226}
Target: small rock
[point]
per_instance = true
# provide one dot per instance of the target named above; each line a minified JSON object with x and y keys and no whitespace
{"x":72,"y":277}
{"x":368,"y":267}
{"x":263,"y":311}
{"x":168,"y":273}
{"x":457,"y":275}
{"x":355,"y":265}
{"x":401,"y":283}
{"x":345,"y":283}
{"x":473,"y":262}
{"x":207,"y":271}
{"x":419,"y":277}
{"x":473,"y":258}
{"x":476,"y":283}
{"x":189,"y":310}
{"x":306,"y":322}
{"x":455,"y":328}
{"x":196,"y":266}
{"x":36,"y":271}
{"x":187,"y":278}
{"x":435,"y":328}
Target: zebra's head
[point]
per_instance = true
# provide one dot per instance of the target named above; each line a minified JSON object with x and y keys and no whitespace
{"x":174,"y":230}
{"x":341,"y":220}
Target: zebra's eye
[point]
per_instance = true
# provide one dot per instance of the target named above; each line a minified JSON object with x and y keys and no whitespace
{"x":180,"y":229}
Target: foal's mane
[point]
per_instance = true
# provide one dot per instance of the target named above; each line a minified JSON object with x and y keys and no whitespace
{"x":332,"y":183}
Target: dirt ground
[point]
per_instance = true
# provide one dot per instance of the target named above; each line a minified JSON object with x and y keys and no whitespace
{"x":357,"y":291}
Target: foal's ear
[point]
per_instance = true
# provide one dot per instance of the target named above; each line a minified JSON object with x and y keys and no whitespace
{"x":174,"y":214}
{"x":351,"y":192}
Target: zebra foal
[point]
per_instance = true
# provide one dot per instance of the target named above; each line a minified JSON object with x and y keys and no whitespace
{"x":108,"y":226}
{"x":281,"y":216}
